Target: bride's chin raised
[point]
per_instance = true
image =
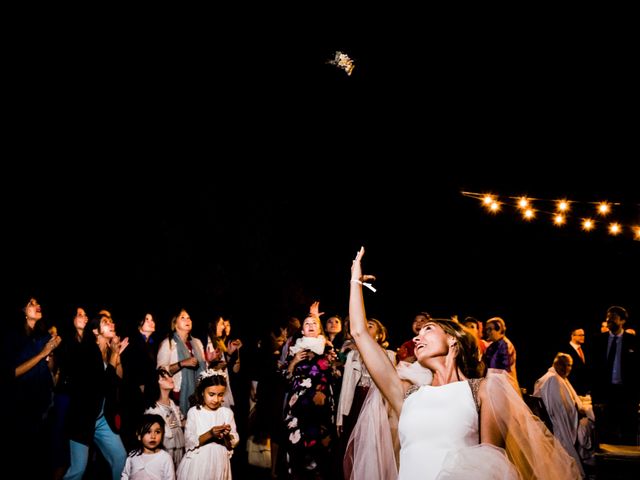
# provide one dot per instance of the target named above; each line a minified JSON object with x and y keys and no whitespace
{"x":423,"y":360}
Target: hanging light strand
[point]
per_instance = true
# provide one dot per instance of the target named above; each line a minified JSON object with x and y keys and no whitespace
{"x":592,"y":215}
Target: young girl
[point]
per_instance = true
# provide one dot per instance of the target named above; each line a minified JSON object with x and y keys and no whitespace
{"x":159,"y":401}
{"x":149,"y":461}
{"x":210,"y":433}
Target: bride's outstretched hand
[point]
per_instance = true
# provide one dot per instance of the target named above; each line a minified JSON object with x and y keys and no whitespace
{"x":356,"y":268}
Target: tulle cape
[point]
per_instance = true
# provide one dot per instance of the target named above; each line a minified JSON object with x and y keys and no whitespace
{"x":529,"y":444}
{"x":531,"y":451}
{"x":373,"y":445}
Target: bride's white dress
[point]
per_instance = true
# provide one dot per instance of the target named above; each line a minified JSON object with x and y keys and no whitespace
{"x":439,"y":437}
{"x":434,"y":421}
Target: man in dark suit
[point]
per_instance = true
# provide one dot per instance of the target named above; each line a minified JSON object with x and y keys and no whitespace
{"x":616,"y":389}
{"x":580,"y":376}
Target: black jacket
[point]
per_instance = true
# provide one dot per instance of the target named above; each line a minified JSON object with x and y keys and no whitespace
{"x":93,"y":384}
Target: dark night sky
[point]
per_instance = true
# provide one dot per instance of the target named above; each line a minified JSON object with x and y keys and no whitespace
{"x":240,"y":178}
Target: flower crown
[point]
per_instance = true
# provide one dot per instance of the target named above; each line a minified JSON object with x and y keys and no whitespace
{"x":211,"y":372}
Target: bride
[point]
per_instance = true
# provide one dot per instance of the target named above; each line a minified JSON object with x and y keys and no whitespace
{"x":456,"y":427}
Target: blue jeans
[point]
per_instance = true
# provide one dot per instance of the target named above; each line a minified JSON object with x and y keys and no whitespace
{"x":109,"y":444}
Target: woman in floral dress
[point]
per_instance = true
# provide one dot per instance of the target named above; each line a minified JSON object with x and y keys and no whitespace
{"x":311,"y":405}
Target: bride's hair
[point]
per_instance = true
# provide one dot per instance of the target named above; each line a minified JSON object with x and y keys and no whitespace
{"x":467,"y":356}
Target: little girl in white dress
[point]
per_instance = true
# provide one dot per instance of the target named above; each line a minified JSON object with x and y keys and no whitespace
{"x":210,"y":432}
{"x":149,"y":461}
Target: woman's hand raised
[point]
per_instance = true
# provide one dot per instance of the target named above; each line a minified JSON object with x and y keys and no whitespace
{"x":356,"y":269}
{"x":314,"y":310}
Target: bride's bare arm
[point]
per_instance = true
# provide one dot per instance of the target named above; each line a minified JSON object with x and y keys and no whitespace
{"x":489,"y":429}
{"x":381,"y":369}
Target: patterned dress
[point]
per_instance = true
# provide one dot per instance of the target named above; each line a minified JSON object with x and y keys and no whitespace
{"x":310,"y":415}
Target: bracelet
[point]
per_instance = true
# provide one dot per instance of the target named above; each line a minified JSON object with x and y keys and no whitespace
{"x":368,"y":285}
{"x":179,"y":365}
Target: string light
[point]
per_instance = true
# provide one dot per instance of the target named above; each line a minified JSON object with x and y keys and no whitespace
{"x":559,"y":219}
{"x":563,"y":206}
{"x":615,"y":228}
{"x":562,"y":211}
{"x":529,"y":214}
{"x":588,"y":224}
{"x":604,"y":208}
{"x":523,"y":203}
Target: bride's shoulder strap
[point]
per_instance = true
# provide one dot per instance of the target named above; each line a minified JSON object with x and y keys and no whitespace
{"x":474,"y":384}
{"x":412,"y":389}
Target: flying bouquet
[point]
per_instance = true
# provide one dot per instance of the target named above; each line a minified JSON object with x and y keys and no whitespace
{"x":342,"y":60}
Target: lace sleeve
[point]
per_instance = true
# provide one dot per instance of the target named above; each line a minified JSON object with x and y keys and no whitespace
{"x":474,"y":384}
{"x":411,"y":389}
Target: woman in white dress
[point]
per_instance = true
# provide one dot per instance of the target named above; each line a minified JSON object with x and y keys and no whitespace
{"x":149,"y":461}
{"x":455,"y":427}
{"x":210,"y":433}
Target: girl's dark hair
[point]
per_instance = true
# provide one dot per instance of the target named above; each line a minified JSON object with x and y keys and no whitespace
{"x":40,"y":327}
{"x":93,"y":324}
{"x":334,"y":316}
{"x":212,"y":327}
{"x":66,"y":329}
{"x":197,"y":399}
{"x":146,"y":422}
{"x":152,"y":388}
{"x":467,"y":357}
{"x":143,"y":319}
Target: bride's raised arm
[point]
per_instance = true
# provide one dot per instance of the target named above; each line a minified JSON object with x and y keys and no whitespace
{"x":382,"y":371}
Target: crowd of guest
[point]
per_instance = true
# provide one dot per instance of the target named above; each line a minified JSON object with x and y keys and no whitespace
{"x":101,"y":404}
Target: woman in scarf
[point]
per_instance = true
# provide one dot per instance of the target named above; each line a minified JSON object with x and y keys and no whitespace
{"x":182,"y":355}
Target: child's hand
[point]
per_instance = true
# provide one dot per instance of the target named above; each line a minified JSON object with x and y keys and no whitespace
{"x":220,"y":431}
{"x":222,"y":434}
